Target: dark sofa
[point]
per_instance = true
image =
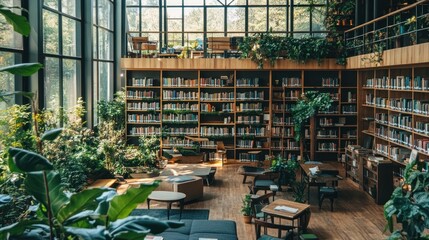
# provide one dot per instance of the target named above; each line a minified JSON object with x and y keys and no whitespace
{"x":195,"y":229}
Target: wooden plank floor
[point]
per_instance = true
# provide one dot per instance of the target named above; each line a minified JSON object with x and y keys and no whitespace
{"x":355,"y":216}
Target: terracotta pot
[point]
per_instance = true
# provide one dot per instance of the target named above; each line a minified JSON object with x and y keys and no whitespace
{"x":247,"y":219}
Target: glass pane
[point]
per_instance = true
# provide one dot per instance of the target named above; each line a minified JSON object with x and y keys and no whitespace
{"x":174,"y":12}
{"x":94,"y":43}
{"x":301,"y":17}
{"x":277,"y":2}
{"x":50,"y":32}
{"x":51,"y":3}
{"x":132,"y":2}
{"x":105,"y":44}
{"x":71,"y":7}
{"x":257,"y":2}
{"x":150,"y":2}
{"x":70,"y":37}
{"x":236,"y":19}
{"x":71,"y":72}
{"x":194,"y":20}
{"x":174,"y":39}
{"x":7,"y":81}
{"x":52,"y":84}
{"x":194,"y":2}
{"x":133,"y":16}
{"x":237,"y":2}
{"x":257,"y":19}
{"x":105,"y":79}
{"x":214,"y":2}
{"x":194,"y":40}
{"x":215,"y":19}
{"x":277,"y":18}
{"x":8,"y":37}
{"x":319,"y":15}
{"x":105,"y":14}
{"x":150,"y":19}
{"x":174,"y":25}
{"x":174,"y":2}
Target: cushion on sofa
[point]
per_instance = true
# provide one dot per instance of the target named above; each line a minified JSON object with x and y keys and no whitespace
{"x":195,"y":229}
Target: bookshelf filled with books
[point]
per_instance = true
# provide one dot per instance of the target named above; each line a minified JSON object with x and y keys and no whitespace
{"x":247,"y":110}
{"x":394,"y":102}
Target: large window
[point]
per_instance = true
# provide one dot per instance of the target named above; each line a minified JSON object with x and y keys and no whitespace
{"x":103,"y":43}
{"x":10,"y":52}
{"x":62,"y":50}
{"x":184,"y":21}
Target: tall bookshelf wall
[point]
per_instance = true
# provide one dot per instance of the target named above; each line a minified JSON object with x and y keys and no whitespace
{"x":248,"y":110}
{"x":395,"y":111}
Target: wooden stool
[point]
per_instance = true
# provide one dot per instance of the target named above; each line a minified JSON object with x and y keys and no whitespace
{"x":327,"y":192}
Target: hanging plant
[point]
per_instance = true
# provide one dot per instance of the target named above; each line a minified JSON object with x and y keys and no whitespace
{"x":310,"y":103}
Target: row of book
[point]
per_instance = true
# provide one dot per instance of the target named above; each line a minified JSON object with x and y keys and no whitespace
{"x":229,"y":96}
{"x":252,"y":131}
{"x":350,"y":133}
{"x":399,"y":153}
{"x":251,"y":119}
{"x":137,"y":94}
{"x":226,"y":107}
{"x":179,"y":82}
{"x":143,"y":82}
{"x":213,"y":82}
{"x":181,"y":131}
{"x":331,"y":110}
{"x":351,"y":97}
{"x":382,"y":149}
{"x":143,"y":106}
{"x":217,"y":131}
{"x":136,"y":131}
{"x":279,"y":120}
{"x":246,"y":157}
{"x":382,"y":131}
{"x":288,"y":144}
{"x":172,"y":117}
{"x":143,"y":118}
{"x":252,"y":95}
{"x":179,"y":95}
{"x":177,"y":142}
{"x":401,"y":137}
{"x":401,"y":121}
{"x":330,"y":82}
{"x":247,"y":82}
{"x":326,"y":122}
{"x":420,"y":83}
{"x":422,"y":127}
{"x":422,"y":145}
{"x":282,"y":107}
{"x":180,"y":106}
{"x":381,"y":118}
{"x":398,"y":82}
{"x":246,"y":107}
{"x":327,"y":133}
{"x":243,"y":143}
{"x":327,"y":146}
{"x":288,"y":95}
{"x":282,"y":132}
{"x":290,"y":82}
{"x":349,"y":109}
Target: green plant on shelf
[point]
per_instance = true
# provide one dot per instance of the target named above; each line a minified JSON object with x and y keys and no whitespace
{"x":410,"y":203}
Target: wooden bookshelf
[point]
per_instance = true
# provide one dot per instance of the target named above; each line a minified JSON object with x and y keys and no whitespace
{"x":249,"y":110}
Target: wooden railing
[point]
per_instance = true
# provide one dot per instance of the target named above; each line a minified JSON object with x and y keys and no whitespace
{"x":404,"y":27}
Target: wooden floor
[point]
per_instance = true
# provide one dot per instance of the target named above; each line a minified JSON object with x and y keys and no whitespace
{"x":355,"y":215}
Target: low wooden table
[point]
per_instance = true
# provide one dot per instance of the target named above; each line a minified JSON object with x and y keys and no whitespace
{"x":270,"y":210}
{"x":168,"y":197}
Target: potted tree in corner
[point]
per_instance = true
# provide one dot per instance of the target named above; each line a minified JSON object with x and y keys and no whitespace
{"x":306,"y":108}
{"x":246,"y":208}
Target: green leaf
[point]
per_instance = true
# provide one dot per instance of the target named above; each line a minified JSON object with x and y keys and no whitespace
{"x":23,"y":69}
{"x":19,"y":23}
{"x":52,"y":134}
{"x":84,"y":200}
{"x":140,"y":224}
{"x":17,"y":229}
{"x":122,"y":205}
{"x":35,"y":185}
{"x":97,"y":233}
{"x":4,"y":200}
{"x":28,"y":161}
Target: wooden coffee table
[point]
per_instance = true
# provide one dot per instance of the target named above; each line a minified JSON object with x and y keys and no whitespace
{"x":168,"y":197}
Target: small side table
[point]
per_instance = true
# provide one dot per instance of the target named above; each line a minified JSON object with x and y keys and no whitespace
{"x":168,"y":197}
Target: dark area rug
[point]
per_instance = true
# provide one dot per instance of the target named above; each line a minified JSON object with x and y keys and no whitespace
{"x":174,"y":213}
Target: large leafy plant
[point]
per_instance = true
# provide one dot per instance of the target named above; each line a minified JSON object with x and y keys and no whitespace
{"x":409,"y":204}
{"x":306,"y":107}
{"x":97,"y":213}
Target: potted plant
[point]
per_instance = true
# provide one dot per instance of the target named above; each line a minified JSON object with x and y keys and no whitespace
{"x":246,"y":208}
{"x":307,"y":107}
{"x":143,"y":160}
{"x":287,"y":169}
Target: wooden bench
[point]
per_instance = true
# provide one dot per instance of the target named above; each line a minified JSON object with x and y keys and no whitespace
{"x":102,"y":183}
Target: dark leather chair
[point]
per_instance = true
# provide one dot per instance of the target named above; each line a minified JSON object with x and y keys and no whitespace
{"x":259,"y":202}
{"x":259,"y":224}
{"x":264,"y":181}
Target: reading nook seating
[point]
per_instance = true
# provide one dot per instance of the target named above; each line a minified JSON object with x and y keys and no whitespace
{"x":199,"y":229}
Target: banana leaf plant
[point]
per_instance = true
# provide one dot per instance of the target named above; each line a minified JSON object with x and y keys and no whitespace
{"x":409,"y":204}
{"x":97,"y":213}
